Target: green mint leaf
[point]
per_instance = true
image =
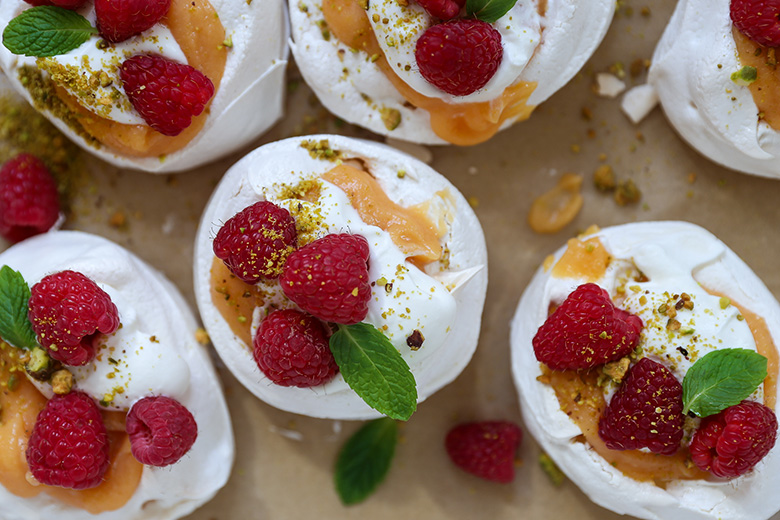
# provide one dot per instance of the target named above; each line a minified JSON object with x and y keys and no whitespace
{"x":15,"y":327}
{"x":365,"y":459}
{"x":46,"y":31}
{"x":375,"y":370}
{"x":488,"y":10}
{"x":721,"y":379}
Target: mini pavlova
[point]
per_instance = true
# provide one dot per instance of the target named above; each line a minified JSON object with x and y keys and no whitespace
{"x":646,"y":363}
{"x":111,"y":408}
{"x":442,"y":71}
{"x":340,"y":278}
{"x":155,"y":85}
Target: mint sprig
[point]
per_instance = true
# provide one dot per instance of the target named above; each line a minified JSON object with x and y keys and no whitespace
{"x":489,"y":10}
{"x":721,"y":379}
{"x":46,"y":31}
{"x":15,"y":327}
{"x":365,"y":459}
{"x":375,"y":370}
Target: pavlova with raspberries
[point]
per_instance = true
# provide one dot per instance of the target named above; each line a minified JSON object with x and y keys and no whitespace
{"x":110,"y":406}
{"x":157,"y":85}
{"x":645,"y":357}
{"x":340,"y":278}
{"x":442,"y":71}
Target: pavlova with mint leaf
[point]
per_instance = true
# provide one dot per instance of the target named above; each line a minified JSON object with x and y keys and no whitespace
{"x":340,"y":278}
{"x":110,"y":406}
{"x":645,"y":357}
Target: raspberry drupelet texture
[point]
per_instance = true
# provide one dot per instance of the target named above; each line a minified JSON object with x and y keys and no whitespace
{"x":65,"y":4}
{"x":459,"y":56}
{"x":69,"y":444}
{"x":29,"y":204}
{"x":328,"y":278}
{"x":118,"y":20}
{"x":255,"y":242}
{"x":759,"y":20}
{"x":68,"y":312}
{"x":166,"y":94}
{"x":161,"y":430}
{"x":291,"y":348}
{"x":485,"y":449}
{"x":645,"y":412}
{"x":587,"y":330}
{"x":442,"y":9}
{"x":732,"y":442}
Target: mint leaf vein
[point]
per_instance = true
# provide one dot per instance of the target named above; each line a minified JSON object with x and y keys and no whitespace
{"x":489,"y":10}
{"x":365,"y":459}
{"x":15,"y":327}
{"x":46,"y":31}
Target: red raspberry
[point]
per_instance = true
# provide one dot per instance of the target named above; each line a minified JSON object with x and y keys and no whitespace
{"x":255,"y":242}
{"x":161,"y":430}
{"x":328,"y":278}
{"x":732,"y":442}
{"x":118,"y":20}
{"x":69,"y":444}
{"x":645,"y":412}
{"x":759,"y":20}
{"x":292,"y":350}
{"x":459,"y":56}
{"x":587,"y":330}
{"x":29,"y":204}
{"x":68,"y":311}
{"x":442,"y":9}
{"x":485,"y":449}
{"x":166,"y":94}
{"x":65,"y":4}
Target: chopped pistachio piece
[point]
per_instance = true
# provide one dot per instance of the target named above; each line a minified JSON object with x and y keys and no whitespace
{"x":745,"y":76}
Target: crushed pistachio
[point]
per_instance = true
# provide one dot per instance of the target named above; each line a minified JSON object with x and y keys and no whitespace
{"x":321,"y":150}
{"x":745,"y":76}
{"x":604,"y":178}
{"x":551,"y":470}
{"x":391,"y":117}
{"x":724,"y":302}
{"x":616,"y":370}
{"x":627,"y":193}
{"x":62,"y":381}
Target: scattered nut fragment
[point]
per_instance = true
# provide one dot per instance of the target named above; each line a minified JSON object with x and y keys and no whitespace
{"x":627,"y":193}
{"x":548,"y":466}
{"x":391,"y":117}
{"x":202,"y":337}
{"x":604,"y":178}
{"x":62,"y":382}
{"x":616,"y":370}
{"x":553,"y":210}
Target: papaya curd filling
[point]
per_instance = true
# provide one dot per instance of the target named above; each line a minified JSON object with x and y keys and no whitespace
{"x":196,"y":27}
{"x":410,"y":229}
{"x":20,"y":404}
{"x":582,"y":398}
{"x":462,"y":124}
{"x":765,"y":89}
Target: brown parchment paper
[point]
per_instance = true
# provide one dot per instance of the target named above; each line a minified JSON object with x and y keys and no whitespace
{"x":284,"y":462}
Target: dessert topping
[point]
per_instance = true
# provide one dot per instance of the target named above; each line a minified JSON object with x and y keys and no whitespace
{"x":66,"y":4}
{"x":46,"y":31}
{"x":758,"y":20}
{"x":732,"y":442}
{"x":161,"y":430}
{"x":442,"y":9}
{"x":69,"y":444}
{"x":118,"y":21}
{"x":29,"y":204}
{"x":291,"y":349}
{"x":587,"y":330}
{"x":15,"y":327}
{"x":485,"y":449}
{"x":646,"y":411}
{"x":68,"y":311}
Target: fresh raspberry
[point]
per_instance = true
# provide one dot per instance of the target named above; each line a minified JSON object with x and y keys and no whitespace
{"x":328,"y":278}
{"x":29,"y":204}
{"x":68,"y":312}
{"x":161,"y":430}
{"x":291,"y":348}
{"x":166,"y":94}
{"x":65,"y":4}
{"x":118,"y":20}
{"x":459,"y":56}
{"x":587,"y":330}
{"x":485,"y":449}
{"x":759,"y":20}
{"x":69,"y":444}
{"x":645,"y":412}
{"x":442,"y":9}
{"x":255,"y":242}
{"x":732,"y":442}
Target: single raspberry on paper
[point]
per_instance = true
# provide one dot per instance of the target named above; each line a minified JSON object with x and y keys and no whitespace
{"x":29,"y":204}
{"x":485,"y":449}
{"x":161,"y":430}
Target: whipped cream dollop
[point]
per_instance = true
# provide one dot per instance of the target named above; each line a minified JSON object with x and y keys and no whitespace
{"x":675,"y":257}
{"x":691,"y":72}
{"x":547,"y":49}
{"x":256,"y":37}
{"x":444,"y":301}
{"x":153,"y":353}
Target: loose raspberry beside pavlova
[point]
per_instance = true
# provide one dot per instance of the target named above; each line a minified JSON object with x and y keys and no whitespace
{"x":340,"y":278}
{"x":156,"y":85}
{"x":111,"y":409}
{"x":442,"y":71}
{"x":646,"y":364}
